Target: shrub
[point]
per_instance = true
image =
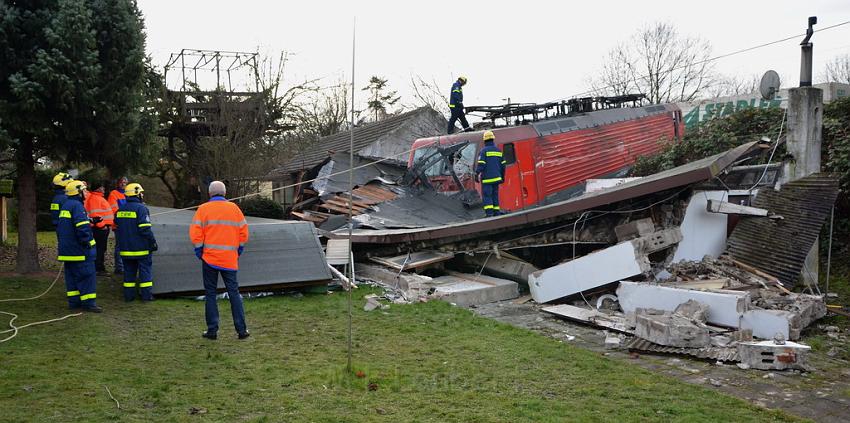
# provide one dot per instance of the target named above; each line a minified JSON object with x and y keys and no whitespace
{"x":261,"y":207}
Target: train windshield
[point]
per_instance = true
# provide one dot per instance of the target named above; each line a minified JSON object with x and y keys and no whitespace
{"x":462,"y":162}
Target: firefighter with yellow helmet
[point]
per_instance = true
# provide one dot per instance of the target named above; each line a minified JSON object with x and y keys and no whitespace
{"x":491,"y":171}
{"x":137,"y":243}
{"x":59,"y":181}
{"x":77,"y":249}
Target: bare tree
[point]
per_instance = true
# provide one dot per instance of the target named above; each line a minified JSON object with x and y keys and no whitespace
{"x":659,"y":62}
{"x":726,"y":86}
{"x":427,"y":93}
{"x":838,"y":69}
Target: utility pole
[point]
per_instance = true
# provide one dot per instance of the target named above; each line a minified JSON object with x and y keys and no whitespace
{"x":805,"y":134}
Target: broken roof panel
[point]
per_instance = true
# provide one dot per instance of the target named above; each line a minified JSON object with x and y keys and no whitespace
{"x":278,"y":254}
{"x":700,"y":170}
{"x":779,"y":247}
{"x":364,"y":136}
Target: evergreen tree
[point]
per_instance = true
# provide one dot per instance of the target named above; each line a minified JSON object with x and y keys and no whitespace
{"x":379,"y":100}
{"x":71,"y":79}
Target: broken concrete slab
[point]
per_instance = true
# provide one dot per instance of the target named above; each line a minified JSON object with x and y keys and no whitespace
{"x":634,"y":229}
{"x":723,"y":207}
{"x":505,"y":267}
{"x":701,"y":284}
{"x":415,"y":260}
{"x":693,"y":310}
{"x":703,"y":233}
{"x":657,"y":241}
{"x":591,"y":317}
{"x":408,"y":282}
{"x":768,"y":355}
{"x":466,"y":289}
{"x":725,"y":307}
{"x":669,"y":329}
{"x":596,"y":269}
{"x":767,"y":324}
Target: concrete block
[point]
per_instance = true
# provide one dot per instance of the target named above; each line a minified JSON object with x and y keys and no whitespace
{"x":766,"y":324}
{"x":587,"y":272}
{"x":670,"y":330}
{"x":657,"y":241}
{"x":693,"y":310}
{"x":465,"y":289}
{"x":634,"y":229}
{"x":612,"y":342}
{"x":389,"y":277}
{"x":703,"y":233}
{"x":724,"y":307}
{"x":767,"y":355}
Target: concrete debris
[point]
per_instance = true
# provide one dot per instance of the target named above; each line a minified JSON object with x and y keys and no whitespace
{"x":722,"y":354}
{"x":768,"y":355}
{"x":591,"y":317}
{"x":634,"y":229}
{"x":606,"y":266}
{"x":724,"y":207}
{"x":703,"y":233}
{"x":725,"y":307}
{"x":466,"y":289}
{"x":670,"y":329}
{"x":612,"y":342}
{"x":693,"y":310}
{"x":372,"y":303}
{"x":505,"y":267}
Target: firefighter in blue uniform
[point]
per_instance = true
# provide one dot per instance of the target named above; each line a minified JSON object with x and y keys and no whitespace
{"x":491,"y":171}
{"x":59,"y":181}
{"x":77,"y":249}
{"x":456,"y":105}
{"x":137,"y":243}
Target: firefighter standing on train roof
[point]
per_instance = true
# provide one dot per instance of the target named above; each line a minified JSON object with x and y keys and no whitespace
{"x":102,"y":218}
{"x":137,"y":243}
{"x":76,"y":249}
{"x":59,"y":181}
{"x":491,"y":171}
{"x":117,"y":199}
{"x":456,"y":105}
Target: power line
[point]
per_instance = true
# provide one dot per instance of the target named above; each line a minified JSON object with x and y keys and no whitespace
{"x":711,"y":59}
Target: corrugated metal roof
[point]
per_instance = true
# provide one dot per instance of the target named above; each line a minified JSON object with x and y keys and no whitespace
{"x":708,"y":353}
{"x":700,"y":170}
{"x":599,"y":118}
{"x":364,"y":135}
{"x":278,"y":253}
{"x":779,"y":246}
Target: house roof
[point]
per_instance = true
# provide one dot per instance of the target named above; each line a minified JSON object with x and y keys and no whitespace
{"x":364,"y":135}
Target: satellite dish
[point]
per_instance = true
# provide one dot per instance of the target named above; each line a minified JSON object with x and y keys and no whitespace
{"x":769,"y":85}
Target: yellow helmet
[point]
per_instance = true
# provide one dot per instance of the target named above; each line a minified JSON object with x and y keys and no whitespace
{"x":133,"y":189}
{"x":489,"y":135}
{"x":74,"y":187}
{"x":462,"y":78}
{"x":61,"y":179}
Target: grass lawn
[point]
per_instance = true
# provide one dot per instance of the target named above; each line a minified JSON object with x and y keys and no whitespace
{"x":426,"y":362}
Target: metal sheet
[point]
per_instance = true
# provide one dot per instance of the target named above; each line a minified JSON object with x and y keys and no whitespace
{"x":700,"y":170}
{"x":278,"y":253}
{"x":779,"y":246}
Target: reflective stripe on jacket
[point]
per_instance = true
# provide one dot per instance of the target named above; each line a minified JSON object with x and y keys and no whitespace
{"x":59,"y":198}
{"x":456,"y":97}
{"x":74,"y":232}
{"x":491,"y":164}
{"x":135,"y":236}
{"x":219,"y":227}
{"x":97,"y":206}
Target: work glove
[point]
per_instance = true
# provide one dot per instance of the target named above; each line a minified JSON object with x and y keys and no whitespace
{"x":476,"y":178}
{"x":95,"y":220}
{"x":240,"y":249}
{"x":199,"y":252}
{"x":154,"y":246}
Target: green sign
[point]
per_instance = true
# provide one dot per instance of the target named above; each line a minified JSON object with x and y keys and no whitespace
{"x":6,"y":187}
{"x":708,"y":111}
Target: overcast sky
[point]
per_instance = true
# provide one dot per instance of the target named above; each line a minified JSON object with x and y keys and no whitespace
{"x":530,"y":51}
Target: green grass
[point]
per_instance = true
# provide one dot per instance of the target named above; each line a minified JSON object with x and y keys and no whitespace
{"x":429,"y":362}
{"x":45,"y":238}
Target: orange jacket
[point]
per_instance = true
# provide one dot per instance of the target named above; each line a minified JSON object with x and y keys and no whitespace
{"x":220,"y":229}
{"x":117,"y":199}
{"x":97,"y":206}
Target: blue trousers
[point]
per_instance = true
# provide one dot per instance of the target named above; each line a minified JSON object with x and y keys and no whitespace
{"x":81,"y":283}
{"x":211,"y":307}
{"x":137,"y":272}
{"x":119,"y":264}
{"x":490,"y":198}
{"x":457,"y":114}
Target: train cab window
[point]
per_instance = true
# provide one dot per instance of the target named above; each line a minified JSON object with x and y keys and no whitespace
{"x":509,"y":154}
